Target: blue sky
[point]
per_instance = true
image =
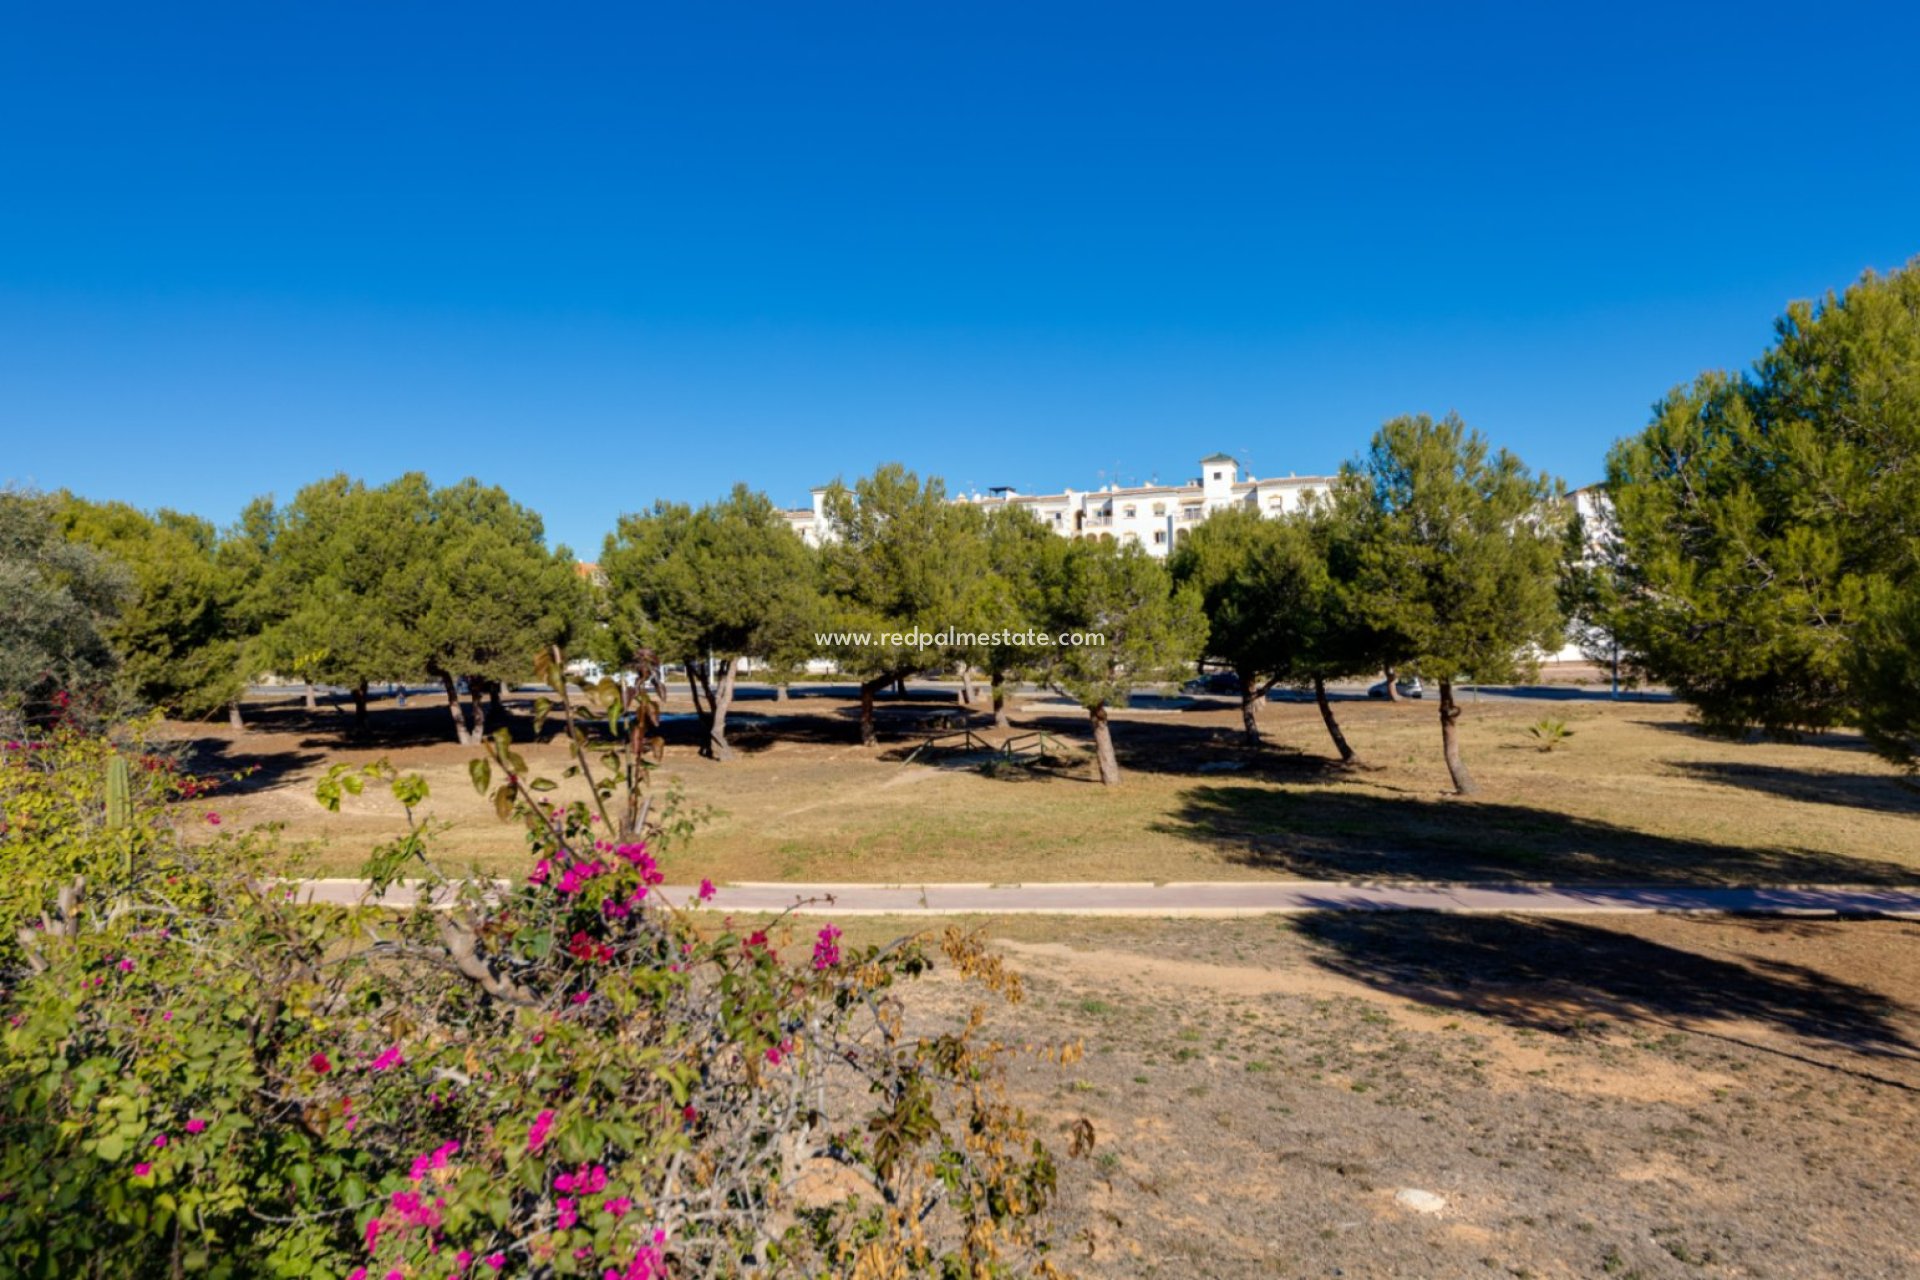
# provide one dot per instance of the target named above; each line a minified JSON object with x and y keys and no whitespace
{"x":600,"y":254}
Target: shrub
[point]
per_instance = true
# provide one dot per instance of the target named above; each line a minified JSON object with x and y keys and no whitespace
{"x":563,"y":1076}
{"x":1549,"y":732}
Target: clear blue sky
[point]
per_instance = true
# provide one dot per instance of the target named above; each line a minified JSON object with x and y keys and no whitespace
{"x":600,"y":254}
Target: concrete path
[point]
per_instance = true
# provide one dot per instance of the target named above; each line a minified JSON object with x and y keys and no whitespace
{"x":1248,"y":897}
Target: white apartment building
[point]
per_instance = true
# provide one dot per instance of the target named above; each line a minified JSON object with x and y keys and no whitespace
{"x":1155,"y":517}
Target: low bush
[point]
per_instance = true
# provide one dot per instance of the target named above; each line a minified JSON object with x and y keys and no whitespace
{"x":565,"y":1076}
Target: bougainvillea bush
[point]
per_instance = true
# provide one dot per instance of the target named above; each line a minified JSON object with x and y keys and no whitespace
{"x":565,"y":1076}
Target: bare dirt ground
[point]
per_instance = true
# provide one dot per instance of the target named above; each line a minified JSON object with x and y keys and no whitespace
{"x":1635,"y":794}
{"x":1650,"y":1096}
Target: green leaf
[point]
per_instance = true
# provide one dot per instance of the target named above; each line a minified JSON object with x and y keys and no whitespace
{"x":482,"y":774}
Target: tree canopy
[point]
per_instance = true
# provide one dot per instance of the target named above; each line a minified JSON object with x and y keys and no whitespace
{"x":184,"y":630}
{"x":59,"y":604}
{"x":1764,"y":536}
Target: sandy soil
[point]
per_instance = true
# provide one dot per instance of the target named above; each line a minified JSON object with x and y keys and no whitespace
{"x":1654,"y":1096}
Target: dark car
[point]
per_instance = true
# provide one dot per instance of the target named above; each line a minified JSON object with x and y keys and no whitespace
{"x":1213,"y":682}
{"x":1408,"y":686}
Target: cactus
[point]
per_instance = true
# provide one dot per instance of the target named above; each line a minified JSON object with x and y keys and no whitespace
{"x":119,"y":793}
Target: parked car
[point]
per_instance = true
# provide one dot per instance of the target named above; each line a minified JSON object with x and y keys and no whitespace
{"x":1213,"y":682}
{"x":1409,"y":687}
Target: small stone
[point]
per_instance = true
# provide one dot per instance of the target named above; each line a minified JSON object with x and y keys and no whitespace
{"x":1419,"y":1201}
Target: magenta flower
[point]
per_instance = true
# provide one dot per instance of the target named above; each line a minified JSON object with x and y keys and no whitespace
{"x":496,"y":1260}
{"x":618,"y":1206}
{"x":826,"y":948}
{"x":159,"y":1139}
{"x":542,"y":1125}
{"x":126,"y":964}
{"x":569,"y":1212}
{"x":391,"y":1058}
{"x":142,"y":1169}
{"x":213,"y":819}
{"x":196,"y":1125}
{"x":706,"y":891}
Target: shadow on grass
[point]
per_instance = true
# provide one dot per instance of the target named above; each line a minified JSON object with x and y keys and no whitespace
{"x":1812,"y":786}
{"x":1328,"y":834}
{"x":243,"y":772}
{"x":1555,"y":975}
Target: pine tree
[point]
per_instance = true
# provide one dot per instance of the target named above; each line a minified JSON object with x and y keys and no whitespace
{"x":1456,"y":555}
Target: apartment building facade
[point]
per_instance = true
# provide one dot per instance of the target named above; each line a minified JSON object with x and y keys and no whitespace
{"x":1154,"y":517}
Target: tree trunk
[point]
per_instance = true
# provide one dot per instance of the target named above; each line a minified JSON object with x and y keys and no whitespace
{"x":719,"y":699}
{"x":360,"y":707}
{"x":1393,"y":686}
{"x":234,"y":721}
{"x":1002,"y":718}
{"x":966,"y":685}
{"x":1250,"y":699}
{"x":460,"y":734}
{"x":495,"y":690}
{"x":1333,"y":725}
{"x":313,"y":699}
{"x":1450,"y":741}
{"x":868,"y":735}
{"x":900,"y":687}
{"x":780,"y":691}
{"x":1103,"y":745}
{"x":477,"y":708}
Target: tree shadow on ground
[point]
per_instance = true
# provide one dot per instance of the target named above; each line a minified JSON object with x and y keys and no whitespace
{"x":241,"y":771}
{"x":1174,"y":747}
{"x":1831,"y":739}
{"x":1882,"y":793}
{"x":1555,"y":974}
{"x":1347,"y":835}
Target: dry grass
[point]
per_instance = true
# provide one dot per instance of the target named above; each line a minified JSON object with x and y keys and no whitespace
{"x":1634,"y":794}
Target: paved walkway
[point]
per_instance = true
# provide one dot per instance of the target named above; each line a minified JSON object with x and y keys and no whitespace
{"x":1250,"y":897}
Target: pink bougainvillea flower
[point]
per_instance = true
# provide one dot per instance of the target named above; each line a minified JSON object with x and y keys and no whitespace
{"x":542,"y":1125}
{"x":319,"y":1063}
{"x":391,"y":1058}
{"x":826,"y":948}
{"x":463,"y":1259}
{"x":159,"y":1139}
{"x":373,"y":1234}
{"x":358,"y":1273}
{"x":581,"y":997}
{"x":569,"y":1212}
{"x":213,"y":819}
{"x":126,"y":964}
{"x":618,"y":1206}
{"x":496,"y":1260}
{"x":196,"y":1125}
{"x":142,"y":1169}
{"x":541,"y":870}
{"x":706,"y":891}
{"x":437,"y":1159}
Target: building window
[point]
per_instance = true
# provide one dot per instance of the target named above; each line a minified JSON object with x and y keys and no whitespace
{"x":1159,"y":537}
{"x":1128,"y":511}
{"x":1218,"y":474}
{"x":1159,"y":508}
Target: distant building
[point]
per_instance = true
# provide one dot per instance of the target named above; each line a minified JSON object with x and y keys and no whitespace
{"x":1155,"y":517}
